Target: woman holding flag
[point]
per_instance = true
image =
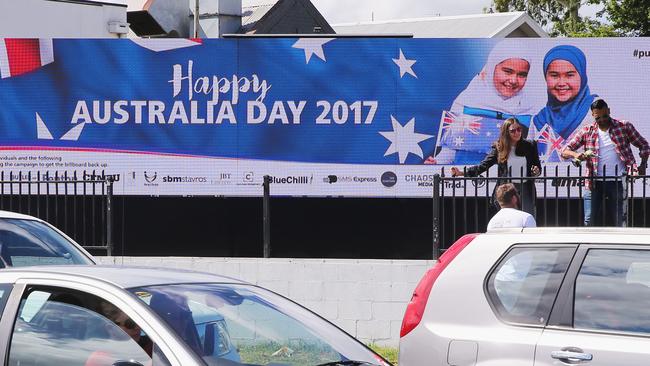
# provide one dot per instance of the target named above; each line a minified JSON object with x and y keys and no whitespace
{"x":516,"y":158}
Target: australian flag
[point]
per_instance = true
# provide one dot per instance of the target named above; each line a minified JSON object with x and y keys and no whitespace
{"x":471,"y":131}
{"x":550,"y":145}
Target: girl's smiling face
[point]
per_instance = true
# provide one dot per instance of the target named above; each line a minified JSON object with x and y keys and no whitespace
{"x":510,"y":76}
{"x":563,"y":80}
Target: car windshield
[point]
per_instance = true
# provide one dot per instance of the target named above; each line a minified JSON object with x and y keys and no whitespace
{"x":30,"y":243}
{"x":244,"y":324}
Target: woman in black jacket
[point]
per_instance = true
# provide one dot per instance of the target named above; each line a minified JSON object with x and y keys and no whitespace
{"x":516,"y":157}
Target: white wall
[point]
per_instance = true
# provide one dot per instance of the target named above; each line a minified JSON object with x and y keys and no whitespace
{"x":366,"y":298}
{"x":57,"y":19}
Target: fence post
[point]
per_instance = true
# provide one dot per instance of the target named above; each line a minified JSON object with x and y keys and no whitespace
{"x":109,"y":216}
{"x":266,"y":219}
{"x":629,"y":209}
{"x":436,"y":216}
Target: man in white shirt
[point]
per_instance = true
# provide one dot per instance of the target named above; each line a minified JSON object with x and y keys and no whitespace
{"x":510,"y":215}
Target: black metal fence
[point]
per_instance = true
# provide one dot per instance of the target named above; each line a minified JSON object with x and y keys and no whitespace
{"x":80,"y":205}
{"x":464,"y":204}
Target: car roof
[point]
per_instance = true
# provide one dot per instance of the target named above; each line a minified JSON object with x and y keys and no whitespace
{"x":122,"y":276}
{"x":16,"y":215}
{"x":574,"y":230}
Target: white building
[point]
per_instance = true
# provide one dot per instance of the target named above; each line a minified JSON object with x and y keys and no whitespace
{"x":62,"y":19}
{"x":494,"y":25}
{"x":175,"y":18}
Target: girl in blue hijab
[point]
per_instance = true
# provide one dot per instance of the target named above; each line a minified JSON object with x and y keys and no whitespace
{"x":569,"y":98}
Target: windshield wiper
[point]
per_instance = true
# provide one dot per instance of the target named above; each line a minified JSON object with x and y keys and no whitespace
{"x":346,"y":363}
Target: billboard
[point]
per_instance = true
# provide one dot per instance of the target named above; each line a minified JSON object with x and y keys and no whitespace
{"x":323,"y":116}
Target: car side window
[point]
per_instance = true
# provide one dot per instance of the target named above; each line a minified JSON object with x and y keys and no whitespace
{"x":30,"y":243}
{"x":58,"y":327}
{"x":612,"y":291}
{"x":5,"y":291}
{"x":523,"y":285}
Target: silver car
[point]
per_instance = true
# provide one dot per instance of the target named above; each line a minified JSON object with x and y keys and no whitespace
{"x":28,"y":241}
{"x":534,"y":296}
{"x":127,"y":316}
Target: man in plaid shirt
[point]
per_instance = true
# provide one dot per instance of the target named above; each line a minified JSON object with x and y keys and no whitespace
{"x":609,"y":141}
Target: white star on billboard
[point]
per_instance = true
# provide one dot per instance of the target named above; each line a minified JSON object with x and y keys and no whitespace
{"x":404,"y":139}
{"x":405,"y":65}
{"x":312,"y":46}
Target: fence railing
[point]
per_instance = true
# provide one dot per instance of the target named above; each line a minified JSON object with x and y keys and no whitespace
{"x":80,"y":205}
{"x":464,"y":204}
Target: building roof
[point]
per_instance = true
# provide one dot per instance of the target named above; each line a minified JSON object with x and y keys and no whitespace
{"x":252,"y":14}
{"x":494,"y":25}
{"x":261,"y":16}
{"x":119,"y":3}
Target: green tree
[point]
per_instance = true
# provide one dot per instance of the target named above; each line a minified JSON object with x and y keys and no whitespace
{"x":562,"y":16}
{"x":629,"y":17}
{"x":593,"y":28}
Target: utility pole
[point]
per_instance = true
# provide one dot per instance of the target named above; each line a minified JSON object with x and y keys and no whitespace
{"x":196,"y":18}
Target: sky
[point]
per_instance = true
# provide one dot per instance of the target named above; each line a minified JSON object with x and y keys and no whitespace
{"x":351,"y":11}
{"x":346,"y":11}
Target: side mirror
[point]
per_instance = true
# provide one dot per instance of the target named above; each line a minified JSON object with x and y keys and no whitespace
{"x":216,"y":341}
{"x":208,"y":342}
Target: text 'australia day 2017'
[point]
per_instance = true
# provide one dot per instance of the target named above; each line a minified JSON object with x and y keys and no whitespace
{"x":217,"y":109}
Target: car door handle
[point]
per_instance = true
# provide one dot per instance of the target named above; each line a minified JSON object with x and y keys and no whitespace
{"x":571,"y":355}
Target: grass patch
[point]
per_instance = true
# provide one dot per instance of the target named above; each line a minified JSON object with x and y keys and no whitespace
{"x":295,"y":353}
{"x":389,"y":353}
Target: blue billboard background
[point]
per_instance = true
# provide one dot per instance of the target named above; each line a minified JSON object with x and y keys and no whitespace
{"x":354,"y":70}
{"x":215,"y":115}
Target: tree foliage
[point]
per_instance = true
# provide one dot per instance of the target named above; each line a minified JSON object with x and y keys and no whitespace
{"x":630,"y":17}
{"x":562,"y":17}
{"x":592,"y":28}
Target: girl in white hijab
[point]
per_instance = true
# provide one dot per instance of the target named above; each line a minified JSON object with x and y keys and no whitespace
{"x":502,"y":89}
